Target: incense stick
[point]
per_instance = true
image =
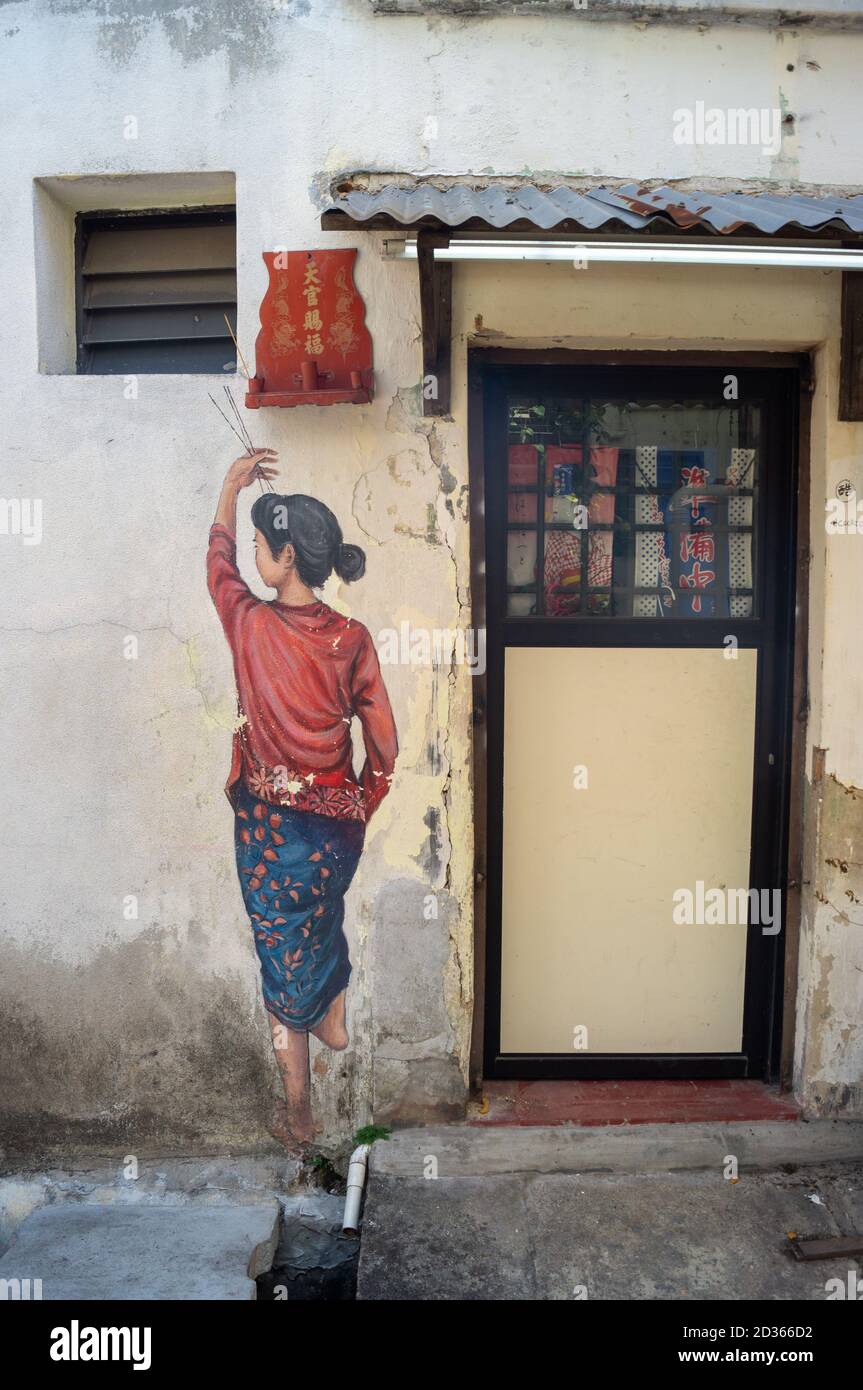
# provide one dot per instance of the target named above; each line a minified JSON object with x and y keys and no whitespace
{"x":249,"y":448}
{"x":237,"y":346}
{"x":228,"y":423}
{"x":242,"y":424}
{"x":239,"y":419}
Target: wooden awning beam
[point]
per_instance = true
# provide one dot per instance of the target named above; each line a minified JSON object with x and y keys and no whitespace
{"x":851,"y":350}
{"x":435,"y":279}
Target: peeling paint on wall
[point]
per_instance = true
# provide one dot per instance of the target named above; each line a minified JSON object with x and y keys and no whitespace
{"x":831,"y":1040}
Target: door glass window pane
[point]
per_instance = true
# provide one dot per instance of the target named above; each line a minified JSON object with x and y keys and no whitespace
{"x":648,"y":507}
{"x":521,"y":559}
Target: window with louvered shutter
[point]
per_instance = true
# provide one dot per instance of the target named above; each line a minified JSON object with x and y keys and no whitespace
{"x":153,"y":290}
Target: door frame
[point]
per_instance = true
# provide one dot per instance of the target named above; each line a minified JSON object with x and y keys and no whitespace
{"x":780,"y":990}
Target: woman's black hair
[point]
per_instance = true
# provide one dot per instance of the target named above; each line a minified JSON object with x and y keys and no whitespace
{"x":313,"y":531}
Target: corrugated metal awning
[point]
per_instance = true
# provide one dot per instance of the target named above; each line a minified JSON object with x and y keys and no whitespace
{"x":562,"y":221}
{"x":632,"y":207}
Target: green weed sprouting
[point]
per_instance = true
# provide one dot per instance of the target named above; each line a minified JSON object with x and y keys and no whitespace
{"x":369,"y":1133}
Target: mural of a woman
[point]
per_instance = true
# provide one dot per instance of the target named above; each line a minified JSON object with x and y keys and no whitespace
{"x":303,"y":672}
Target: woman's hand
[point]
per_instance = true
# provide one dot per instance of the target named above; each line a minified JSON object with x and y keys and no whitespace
{"x":242,"y":473}
{"x":246,"y":470}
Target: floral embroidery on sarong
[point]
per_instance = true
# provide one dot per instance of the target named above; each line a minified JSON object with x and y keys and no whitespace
{"x":285,"y":786}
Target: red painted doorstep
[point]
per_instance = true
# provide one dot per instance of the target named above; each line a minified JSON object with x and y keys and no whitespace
{"x":629,"y":1102}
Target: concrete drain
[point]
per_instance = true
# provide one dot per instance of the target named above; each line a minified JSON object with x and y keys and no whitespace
{"x":314,"y":1261}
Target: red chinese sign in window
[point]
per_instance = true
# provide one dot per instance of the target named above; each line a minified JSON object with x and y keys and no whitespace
{"x":631,"y":508}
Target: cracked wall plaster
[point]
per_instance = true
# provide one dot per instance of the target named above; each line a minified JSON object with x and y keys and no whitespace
{"x":830,"y":1045}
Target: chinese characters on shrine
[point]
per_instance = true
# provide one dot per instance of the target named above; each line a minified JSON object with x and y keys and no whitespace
{"x":312,"y":323}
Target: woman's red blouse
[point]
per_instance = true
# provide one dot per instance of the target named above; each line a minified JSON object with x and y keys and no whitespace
{"x":302,"y":674}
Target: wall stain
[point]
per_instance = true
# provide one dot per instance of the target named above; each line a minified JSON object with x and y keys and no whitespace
{"x":146,"y":1019}
{"x":244,"y":32}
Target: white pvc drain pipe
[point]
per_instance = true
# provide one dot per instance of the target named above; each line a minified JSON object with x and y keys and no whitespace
{"x":357,"y":1171}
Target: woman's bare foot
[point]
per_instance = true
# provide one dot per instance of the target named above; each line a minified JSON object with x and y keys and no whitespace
{"x":293,"y":1125}
{"x":294,"y":1132}
{"x":332,"y":1029}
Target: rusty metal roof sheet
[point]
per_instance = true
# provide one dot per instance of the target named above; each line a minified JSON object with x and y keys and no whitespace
{"x":633,"y":207}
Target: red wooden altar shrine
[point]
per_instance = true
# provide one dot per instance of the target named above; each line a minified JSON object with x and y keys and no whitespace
{"x":313,"y":347}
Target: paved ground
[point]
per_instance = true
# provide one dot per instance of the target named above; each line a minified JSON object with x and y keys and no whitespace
{"x":144,"y":1252}
{"x":557,"y":1213}
{"x":488,"y":1212}
{"x":559,"y":1236}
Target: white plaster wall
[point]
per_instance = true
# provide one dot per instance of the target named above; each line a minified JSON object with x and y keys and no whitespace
{"x":153,"y":1027}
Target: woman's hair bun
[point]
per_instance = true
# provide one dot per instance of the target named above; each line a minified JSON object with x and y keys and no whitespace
{"x":351,"y":563}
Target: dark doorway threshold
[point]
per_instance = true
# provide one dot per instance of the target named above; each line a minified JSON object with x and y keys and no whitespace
{"x":629,"y":1102}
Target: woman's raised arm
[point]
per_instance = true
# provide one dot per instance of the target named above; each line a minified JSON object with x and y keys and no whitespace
{"x":228,"y":590}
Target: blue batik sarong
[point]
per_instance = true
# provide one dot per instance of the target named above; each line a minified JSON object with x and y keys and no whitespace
{"x":295,"y":868}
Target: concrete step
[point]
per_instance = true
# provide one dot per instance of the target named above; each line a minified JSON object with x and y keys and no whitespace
{"x":144,"y":1252}
{"x":464,"y":1150}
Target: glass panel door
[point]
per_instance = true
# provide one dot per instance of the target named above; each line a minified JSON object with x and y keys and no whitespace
{"x":638,"y":555}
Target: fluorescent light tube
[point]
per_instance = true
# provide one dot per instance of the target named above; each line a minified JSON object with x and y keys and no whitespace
{"x":655,"y":253}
